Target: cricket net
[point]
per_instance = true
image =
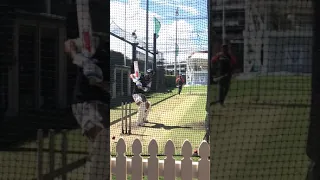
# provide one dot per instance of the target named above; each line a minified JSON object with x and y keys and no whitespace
{"x":261,"y":129}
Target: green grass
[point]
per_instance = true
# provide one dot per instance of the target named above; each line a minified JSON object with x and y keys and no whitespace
{"x":251,"y":138}
{"x":178,"y":118}
{"x":262,"y":138}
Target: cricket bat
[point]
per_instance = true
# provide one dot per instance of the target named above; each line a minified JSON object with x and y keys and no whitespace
{"x":85,"y":28}
{"x":216,"y":79}
{"x":136,"y":69}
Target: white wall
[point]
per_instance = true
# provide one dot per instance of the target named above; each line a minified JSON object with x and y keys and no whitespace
{"x":288,"y":51}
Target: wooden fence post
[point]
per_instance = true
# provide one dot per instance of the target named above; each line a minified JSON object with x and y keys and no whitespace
{"x":153,"y":161}
{"x":121,"y":160}
{"x":136,"y":165}
{"x":40,"y":154}
{"x":186,"y":162}
{"x":204,"y":163}
{"x":51,"y":151}
{"x":169,"y":161}
{"x":64,"y":150}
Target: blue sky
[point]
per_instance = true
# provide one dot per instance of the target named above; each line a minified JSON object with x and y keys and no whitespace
{"x":192,"y":23}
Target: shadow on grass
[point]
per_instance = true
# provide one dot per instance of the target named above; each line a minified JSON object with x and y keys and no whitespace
{"x":197,"y":126}
{"x":159,"y":125}
{"x":118,"y":120}
{"x":133,"y":134}
{"x":288,"y":105}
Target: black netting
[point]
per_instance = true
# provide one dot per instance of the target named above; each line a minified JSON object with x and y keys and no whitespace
{"x":40,"y":136}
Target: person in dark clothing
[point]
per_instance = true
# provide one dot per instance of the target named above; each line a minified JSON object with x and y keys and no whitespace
{"x":179,"y":82}
{"x":90,"y":105}
{"x":142,"y":85}
{"x":224,"y":64}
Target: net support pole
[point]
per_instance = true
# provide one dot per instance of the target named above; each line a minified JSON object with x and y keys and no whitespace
{"x":155,"y":78}
{"x":313,"y":143}
{"x":209,"y":85}
{"x":223,"y":24}
{"x":176,"y":45}
{"x":125,"y":34}
{"x":147,"y":38}
{"x":48,"y":6}
{"x":154,"y":52}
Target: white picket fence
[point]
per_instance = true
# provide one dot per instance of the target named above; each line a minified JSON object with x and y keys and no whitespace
{"x":168,"y":168}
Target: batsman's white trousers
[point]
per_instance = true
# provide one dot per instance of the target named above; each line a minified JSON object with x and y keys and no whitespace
{"x":143,"y":112}
{"x":90,"y":115}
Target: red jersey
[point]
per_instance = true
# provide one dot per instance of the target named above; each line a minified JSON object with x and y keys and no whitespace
{"x":179,"y":81}
{"x":227,"y":62}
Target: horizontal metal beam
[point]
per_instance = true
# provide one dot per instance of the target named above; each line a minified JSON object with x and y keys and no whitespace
{"x":131,"y":43}
{"x":121,"y":38}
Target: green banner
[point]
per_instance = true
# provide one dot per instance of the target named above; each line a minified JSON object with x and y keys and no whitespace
{"x":157,"y":26}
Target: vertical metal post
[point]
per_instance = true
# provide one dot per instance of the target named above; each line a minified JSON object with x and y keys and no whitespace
{"x":114,"y":84}
{"x":223,"y":24}
{"x":128,"y":84}
{"x":147,"y":39}
{"x":155,"y":78}
{"x":129,"y":119}
{"x":126,"y":117}
{"x":176,"y":45}
{"x":122,"y":119}
{"x":62,"y":73}
{"x":38,"y":66}
{"x":48,"y":6}
{"x":154,"y":52}
{"x":313,"y":144}
{"x":209,"y":86}
{"x":121,"y":83}
{"x":125,"y":34}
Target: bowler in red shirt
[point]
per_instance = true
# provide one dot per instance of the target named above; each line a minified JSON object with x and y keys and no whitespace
{"x":224,"y":63}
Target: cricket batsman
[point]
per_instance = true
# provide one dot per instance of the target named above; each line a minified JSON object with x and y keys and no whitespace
{"x":142,"y":86}
{"x":224,"y":63}
{"x":90,"y":106}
